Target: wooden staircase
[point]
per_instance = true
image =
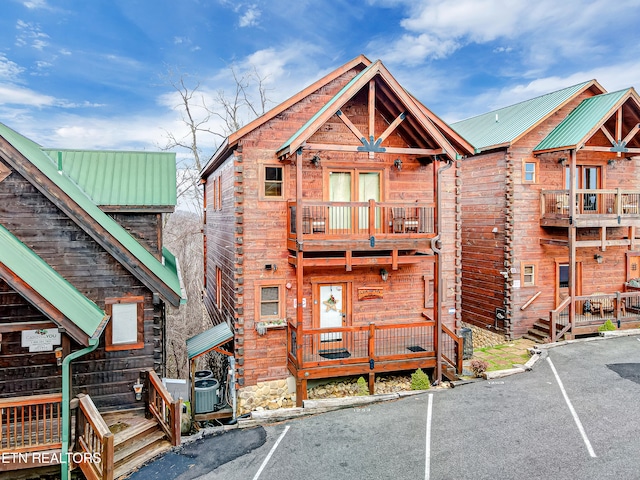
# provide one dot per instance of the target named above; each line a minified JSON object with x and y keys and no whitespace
{"x":540,"y":333}
{"x":137,"y":440}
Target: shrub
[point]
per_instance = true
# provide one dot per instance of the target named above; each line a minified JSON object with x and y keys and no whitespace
{"x":479,"y":367}
{"x":607,"y":326}
{"x":420,"y":380}
{"x":363,"y":387}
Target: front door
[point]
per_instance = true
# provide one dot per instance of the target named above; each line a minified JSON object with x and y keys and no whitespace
{"x":332,"y":314}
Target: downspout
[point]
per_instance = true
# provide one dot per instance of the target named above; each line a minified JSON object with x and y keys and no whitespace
{"x":66,"y":410}
{"x":435,"y":242}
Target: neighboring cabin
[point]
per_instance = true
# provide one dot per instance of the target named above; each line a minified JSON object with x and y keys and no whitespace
{"x":82,"y":263}
{"x":535,"y":262}
{"x":332,"y":234}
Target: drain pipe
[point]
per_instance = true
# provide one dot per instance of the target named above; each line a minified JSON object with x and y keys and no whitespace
{"x":435,"y":246}
{"x":66,"y":410}
{"x":232,"y":385}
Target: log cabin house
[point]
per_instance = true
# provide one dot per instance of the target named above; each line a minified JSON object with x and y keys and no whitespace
{"x":84,"y":279}
{"x":332,"y":234}
{"x":550,"y":210}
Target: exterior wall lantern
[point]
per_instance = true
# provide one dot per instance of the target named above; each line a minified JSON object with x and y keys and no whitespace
{"x":397,"y":163}
{"x":137,"y":389}
{"x":598,"y":258}
{"x":384,"y":274}
{"x":315,"y":160}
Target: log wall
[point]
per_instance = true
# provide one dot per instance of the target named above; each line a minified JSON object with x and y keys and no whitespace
{"x":107,"y":376}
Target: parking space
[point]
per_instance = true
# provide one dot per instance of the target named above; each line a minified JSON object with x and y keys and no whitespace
{"x":579,"y":422}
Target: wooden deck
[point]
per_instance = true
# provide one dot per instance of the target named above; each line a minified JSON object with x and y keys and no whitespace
{"x":368,"y":350}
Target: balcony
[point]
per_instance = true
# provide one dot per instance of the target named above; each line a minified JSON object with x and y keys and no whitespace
{"x":594,"y":208}
{"x":360,"y":226}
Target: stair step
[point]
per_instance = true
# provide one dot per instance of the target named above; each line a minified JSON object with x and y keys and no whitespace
{"x":130,"y":434}
{"x":143,"y":457}
{"x":534,"y":338}
{"x":142,"y":442}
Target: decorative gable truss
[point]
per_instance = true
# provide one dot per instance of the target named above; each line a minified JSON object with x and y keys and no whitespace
{"x":604,"y":123}
{"x":390,"y":110}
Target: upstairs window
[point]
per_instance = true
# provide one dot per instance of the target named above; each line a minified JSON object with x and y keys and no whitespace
{"x":273,"y":182}
{"x":530,"y":171}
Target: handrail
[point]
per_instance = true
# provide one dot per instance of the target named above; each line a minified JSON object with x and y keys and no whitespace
{"x":94,"y":440}
{"x":31,"y":423}
{"x":457,"y":361}
{"x":531,"y":300}
{"x":553,"y":317}
{"x":162,"y":406}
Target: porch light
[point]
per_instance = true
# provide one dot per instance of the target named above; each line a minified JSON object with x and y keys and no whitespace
{"x":562,"y":161}
{"x":384,"y":274}
{"x":597,"y":258}
{"x":315,"y":160}
{"x":137,"y":389}
{"x":397,"y":163}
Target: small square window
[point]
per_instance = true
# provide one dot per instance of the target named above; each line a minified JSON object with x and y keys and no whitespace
{"x":273,"y":182}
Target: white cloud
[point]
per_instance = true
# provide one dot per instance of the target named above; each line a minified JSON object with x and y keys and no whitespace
{"x":30,"y":34}
{"x":36,"y":4}
{"x":9,"y":70}
{"x":545,"y":30}
{"x":250,"y":17}
{"x":11,"y":94}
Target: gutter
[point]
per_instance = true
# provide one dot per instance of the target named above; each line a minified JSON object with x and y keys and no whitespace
{"x":66,"y":409}
{"x":435,"y":246}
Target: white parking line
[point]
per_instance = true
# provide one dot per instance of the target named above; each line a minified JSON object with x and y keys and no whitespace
{"x":572,"y":410}
{"x":427,"y":463}
{"x":273,"y":449}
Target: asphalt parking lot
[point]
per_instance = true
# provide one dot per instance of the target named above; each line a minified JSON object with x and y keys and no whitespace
{"x":573,"y":416}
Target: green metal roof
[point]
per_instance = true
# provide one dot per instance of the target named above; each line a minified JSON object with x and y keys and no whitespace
{"x":328,"y":105}
{"x":573,"y":130}
{"x":48,"y":283}
{"x":46,"y":165}
{"x":205,"y":341}
{"x":504,"y":125}
{"x":121,"y":178}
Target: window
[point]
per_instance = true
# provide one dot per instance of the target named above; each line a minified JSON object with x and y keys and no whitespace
{"x":269,"y":302}
{"x":218,"y":287}
{"x":529,"y":275}
{"x":273,"y":182}
{"x":125,"y":330}
{"x":530,"y":171}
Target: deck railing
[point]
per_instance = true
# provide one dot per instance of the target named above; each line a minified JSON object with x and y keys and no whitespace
{"x":31,"y":423}
{"x":362,"y":219}
{"x":595,"y":309}
{"x":162,"y":406}
{"x":357,"y":344}
{"x":614,"y":202}
{"x":94,"y":441}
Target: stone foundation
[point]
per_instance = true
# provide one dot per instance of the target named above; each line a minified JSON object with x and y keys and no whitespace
{"x":484,"y":338}
{"x":267,"y":396}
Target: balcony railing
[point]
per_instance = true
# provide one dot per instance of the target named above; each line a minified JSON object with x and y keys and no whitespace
{"x":360,"y":344}
{"x":611,"y":204}
{"x":362,"y":219}
{"x":593,"y":310}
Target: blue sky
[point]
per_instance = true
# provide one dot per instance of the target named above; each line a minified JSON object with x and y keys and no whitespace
{"x":95,"y":73}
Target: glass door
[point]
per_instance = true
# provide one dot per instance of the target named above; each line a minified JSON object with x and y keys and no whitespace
{"x":588,"y":177}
